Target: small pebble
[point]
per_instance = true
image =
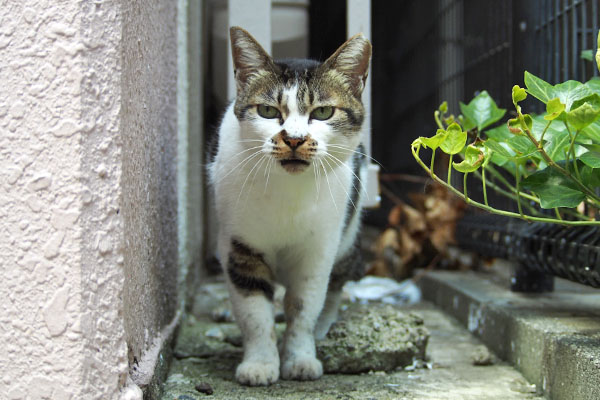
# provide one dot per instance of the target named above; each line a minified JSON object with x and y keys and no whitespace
{"x":215,"y":333}
{"x":482,"y":356}
{"x":205,"y":388}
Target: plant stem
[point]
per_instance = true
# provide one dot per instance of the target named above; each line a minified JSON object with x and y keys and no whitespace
{"x":432,"y":159}
{"x":557,"y":213}
{"x":544,"y":132}
{"x":572,"y":151}
{"x":465,"y":187}
{"x":436,"y":116}
{"x":450,"y":168}
{"x":518,"y":182}
{"x":510,"y":187}
{"x":415,"y":152}
{"x":485,"y":201}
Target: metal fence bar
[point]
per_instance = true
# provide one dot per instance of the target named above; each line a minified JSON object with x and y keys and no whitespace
{"x":595,"y":28}
{"x":565,"y":41}
{"x":574,"y":29}
{"x":584,"y":33}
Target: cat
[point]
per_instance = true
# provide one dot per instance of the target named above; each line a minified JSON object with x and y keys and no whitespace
{"x":287,"y":179}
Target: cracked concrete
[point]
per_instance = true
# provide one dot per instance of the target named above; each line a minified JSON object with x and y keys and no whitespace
{"x":207,"y":353}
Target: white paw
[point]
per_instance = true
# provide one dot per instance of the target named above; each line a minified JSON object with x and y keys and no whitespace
{"x":253,"y":373}
{"x":301,"y":368}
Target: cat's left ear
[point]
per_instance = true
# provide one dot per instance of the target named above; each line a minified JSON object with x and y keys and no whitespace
{"x":352,"y":59}
{"x":249,"y":58}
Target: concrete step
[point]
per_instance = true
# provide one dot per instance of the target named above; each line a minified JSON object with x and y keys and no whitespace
{"x":553,"y":339}
{"x":450,"y":372}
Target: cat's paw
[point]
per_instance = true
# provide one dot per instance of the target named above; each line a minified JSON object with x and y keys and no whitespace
{"x":253,"y":373}
{"x":301,"y":368}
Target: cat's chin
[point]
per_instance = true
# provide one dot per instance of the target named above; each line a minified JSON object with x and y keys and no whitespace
{"x":294,"y":166}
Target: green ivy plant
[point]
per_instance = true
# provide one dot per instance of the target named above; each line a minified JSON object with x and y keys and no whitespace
{"x":553,"y":158}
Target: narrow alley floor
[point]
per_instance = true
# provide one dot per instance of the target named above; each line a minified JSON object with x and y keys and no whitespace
{"x":207,"y":353}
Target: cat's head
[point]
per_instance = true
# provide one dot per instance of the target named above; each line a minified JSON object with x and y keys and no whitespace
{"x":300,"y":111}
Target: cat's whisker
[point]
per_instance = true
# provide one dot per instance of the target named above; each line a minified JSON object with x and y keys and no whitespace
{"x":329,"y":185}
{"x":354,"y":151}
{"x":240,"y":165}
{"x":259,"y":165}
{"x":246,"y":180}
{"x":316,"y":181}
{"x":340,"y":182}
{"x":233,"y":157}
{"x":363,"y":188}
{"x":268,"y":171}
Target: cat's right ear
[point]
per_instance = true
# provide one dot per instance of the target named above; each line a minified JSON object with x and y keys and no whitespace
{"x":249,"y":58}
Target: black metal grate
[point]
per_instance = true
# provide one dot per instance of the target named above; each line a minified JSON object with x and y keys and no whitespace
{"x":572,"y":253}
{"x":563,"y":28}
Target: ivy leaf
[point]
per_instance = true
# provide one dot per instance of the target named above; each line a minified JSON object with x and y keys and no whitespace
{"x":555,"y":143}
{"x":594,"y":85}
{"x":592,"y":132}
{"x":499,"y":133}
{"x":587,"y":55}
{"x":514,"y":126}
{"x":434,"y":141}
{"x":554,"y":108}
{"x":455,"y":140}
{"x":518,"y":94}
{"x":593,"y":100}
{"x":538,"y":88}
{"x":583,"y":115}
{"x":567,"y":92}
{"x":553,"y":189}
{"x":522,"y":146}
{"x":591,"y":158}
{"x":474,"y":157}
{"x":590,"y":177}
{"x":482,"y":111}
{"x":498,"y":148}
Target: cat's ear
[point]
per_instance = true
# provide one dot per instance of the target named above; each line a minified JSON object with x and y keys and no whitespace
{"x":352,"y":59}
{"x":249,"y":57}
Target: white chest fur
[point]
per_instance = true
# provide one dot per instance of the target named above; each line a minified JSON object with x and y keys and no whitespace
{"x":271,"y":209}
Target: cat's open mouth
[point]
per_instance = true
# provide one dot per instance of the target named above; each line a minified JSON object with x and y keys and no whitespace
{"x":294,"y":165}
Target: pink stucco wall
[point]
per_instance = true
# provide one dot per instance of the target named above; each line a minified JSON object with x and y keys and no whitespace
{"x":87,"y":155}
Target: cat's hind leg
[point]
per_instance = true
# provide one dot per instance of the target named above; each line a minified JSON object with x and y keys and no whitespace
{"x":349,"y":268}
{"x":251,"y":291}
{"x":329,"y":314}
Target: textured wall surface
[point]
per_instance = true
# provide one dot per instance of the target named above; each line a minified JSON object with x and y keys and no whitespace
{"x":88,"y":204}
{"x":62,"y":334}
{"x":149,"y":201}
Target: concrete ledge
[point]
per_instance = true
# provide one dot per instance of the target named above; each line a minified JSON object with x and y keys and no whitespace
{"x":552,"y":338}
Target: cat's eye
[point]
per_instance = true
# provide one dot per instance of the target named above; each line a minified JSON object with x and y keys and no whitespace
{"x":268,"y":112}
{"x":322,"y":113}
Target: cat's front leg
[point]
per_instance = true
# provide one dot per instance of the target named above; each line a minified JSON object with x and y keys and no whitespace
{"x":251,"y":292}
{"x":303,"y":302}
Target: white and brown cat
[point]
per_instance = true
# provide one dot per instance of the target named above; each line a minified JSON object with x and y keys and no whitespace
{"x":286,"y":178}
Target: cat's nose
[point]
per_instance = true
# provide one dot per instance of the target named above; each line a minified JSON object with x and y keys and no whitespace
{"x":294,"y":143}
